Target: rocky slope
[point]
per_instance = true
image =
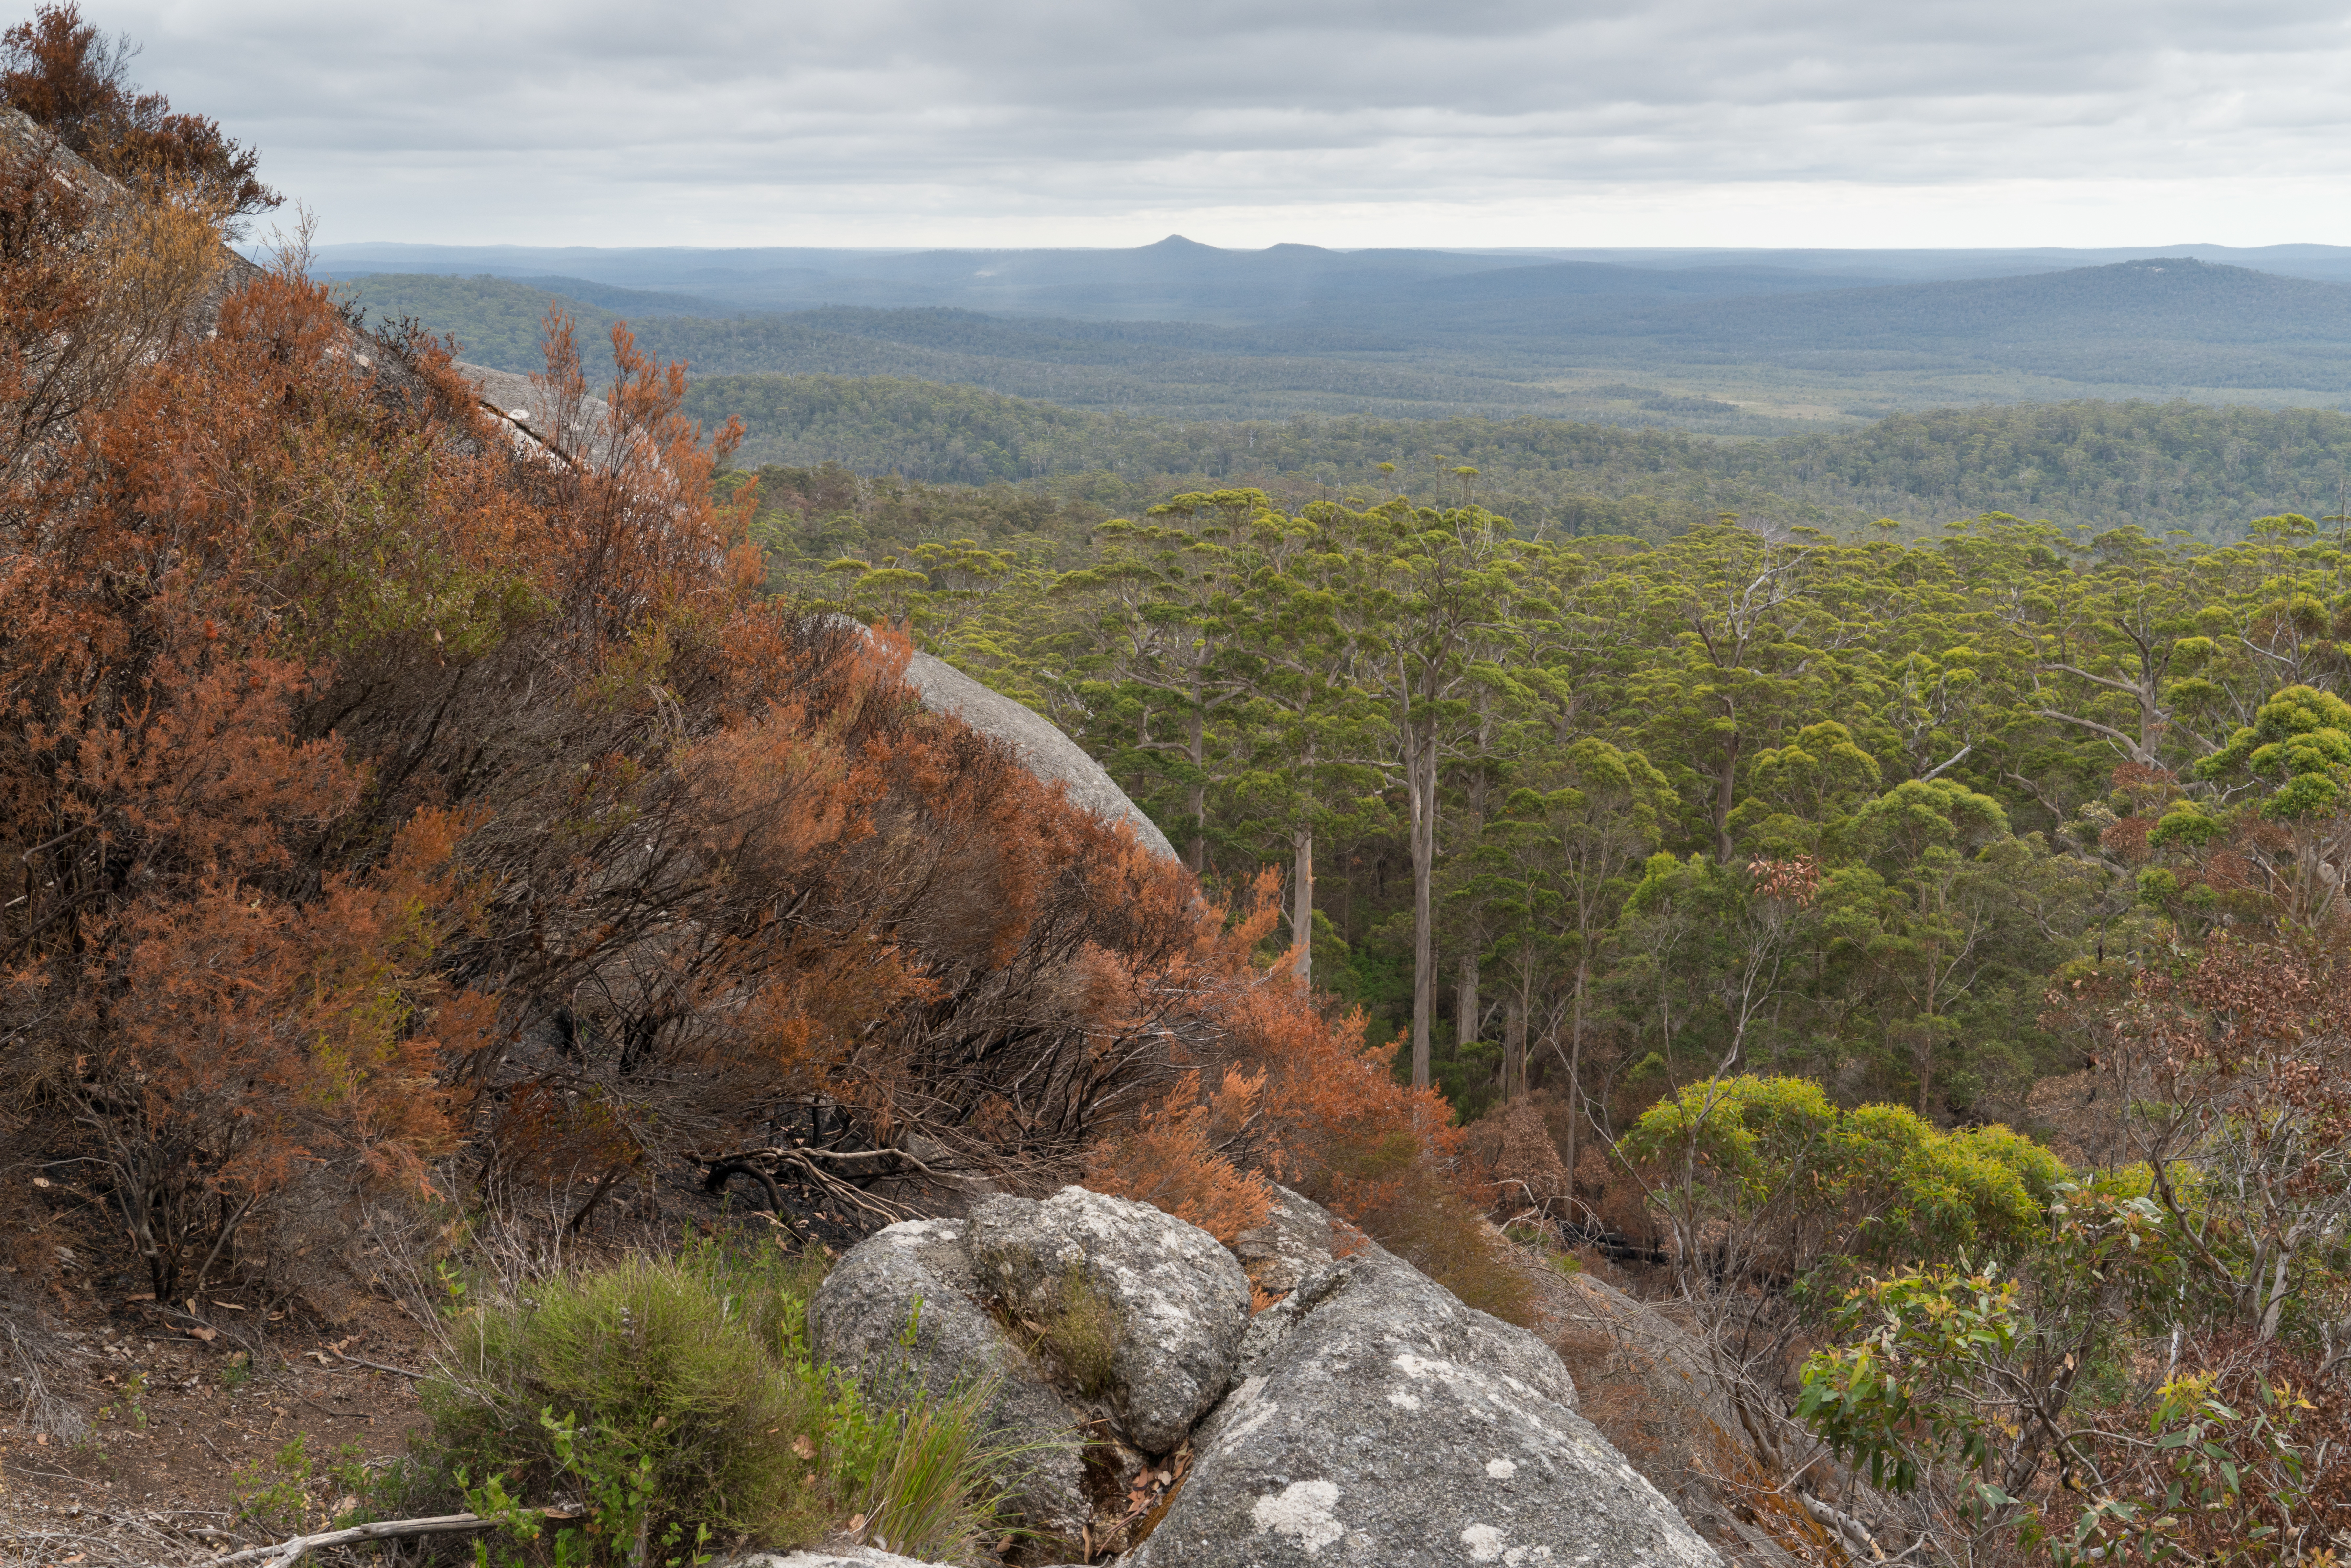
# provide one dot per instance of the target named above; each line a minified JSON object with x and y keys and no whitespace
{"x":1359,"y":1414}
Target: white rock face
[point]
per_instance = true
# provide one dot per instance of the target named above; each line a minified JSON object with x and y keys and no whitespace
{"x":1367,"y":1418}
{"x":1182,"y":1300}
{"x":1381,"y":1422}
{"x":524,"y":404}
{"x":831,"y":1557}
{"x":1043,"y":749}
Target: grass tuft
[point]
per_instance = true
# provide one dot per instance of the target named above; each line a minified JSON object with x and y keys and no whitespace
{"x":1082,"y":1330}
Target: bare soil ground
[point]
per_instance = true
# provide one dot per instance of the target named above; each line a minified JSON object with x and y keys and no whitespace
{"x":182,"y":1434}
{"x":134,"y":1433}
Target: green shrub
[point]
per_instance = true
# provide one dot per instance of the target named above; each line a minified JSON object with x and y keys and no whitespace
{"x":1877,"y":1182}
{"x":920,"y":1473}
{"x":677,"y":1402}
{"x":647,"y":1391}
{"x":275,"y":1494}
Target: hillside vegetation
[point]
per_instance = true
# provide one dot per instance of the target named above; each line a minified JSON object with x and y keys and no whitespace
{"x":413,"y":816}
{"x":2200,"y":470}
{"x":1647,"y":852}
{"x":445,"y":856}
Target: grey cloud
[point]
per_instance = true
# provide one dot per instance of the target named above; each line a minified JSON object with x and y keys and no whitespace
{"x":1036,"y":106}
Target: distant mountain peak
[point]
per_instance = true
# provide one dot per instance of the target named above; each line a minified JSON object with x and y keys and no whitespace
{"x":1177,"y":241}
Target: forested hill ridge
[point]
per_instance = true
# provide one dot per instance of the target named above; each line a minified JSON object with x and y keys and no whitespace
{"x":2201,"y":470}
{"x":1743,"y":351}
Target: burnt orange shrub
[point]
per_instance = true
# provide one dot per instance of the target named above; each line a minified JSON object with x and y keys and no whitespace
{"x":1324,"y":1111}
{"x":385,"y":781}
{"x":223,"y":973}
{"x":1170,"y":1159}
{"x":1510,"y":1149}
{"x":60,"y":69}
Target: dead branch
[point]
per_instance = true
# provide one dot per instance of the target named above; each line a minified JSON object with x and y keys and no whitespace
{"x":379,"y":1366}
{"x":1844,"y":1525}
{"x":285,"y":1553}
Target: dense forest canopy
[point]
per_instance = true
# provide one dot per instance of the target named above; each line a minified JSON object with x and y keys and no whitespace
{"x":1962,"y":739}
{"x":1755,"y":857}
{"x":2162,"y":467}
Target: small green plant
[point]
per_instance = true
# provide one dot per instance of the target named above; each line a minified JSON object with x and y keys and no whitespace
{"x":520,"y":1521}
{"x":616,"y":1481}
{"x":348,"y":1473}
{"x":237,"y":1371}
{"x":452,"y":1288}
{"x":276,"y":1493}
{"x":913,"y":1471}
{"x":651,"y":1394}
{"x":677,"y":1404}
{"x":1082,"y":1330}
{"x":133,"y":1406}
{"x":926,"y":1483}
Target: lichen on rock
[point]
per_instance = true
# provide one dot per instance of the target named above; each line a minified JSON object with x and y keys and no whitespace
{"x":1181,"y":1302}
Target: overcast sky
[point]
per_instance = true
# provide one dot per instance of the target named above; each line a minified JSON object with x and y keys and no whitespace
{"x":1244,"y":122}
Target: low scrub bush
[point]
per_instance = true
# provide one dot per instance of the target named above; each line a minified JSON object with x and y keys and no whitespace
{"x":1171,"y":1161}
{"x":675,"y":1403}
{"x":647,"y":1391}
{"x":924,"y":1476}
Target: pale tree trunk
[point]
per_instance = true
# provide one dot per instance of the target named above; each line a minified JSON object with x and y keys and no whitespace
{"x":1199,"y":802}
{"x":1514,"y":1046}
{"x":1575,"y":1068}
{"x":1421,"y":775}
{"x":1468,"y":1011}
{"x":1301,"y":900}
{"x":1725,"y":794}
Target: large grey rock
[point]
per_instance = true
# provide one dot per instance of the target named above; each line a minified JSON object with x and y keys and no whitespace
{"x":1293,"y":1242}
{"x":827,"y":1557}
{"x":522,"y":403}
{"x":1181,"y":1299}
{"x":1386,"y":1423}
{"x":1043,"y":749}
{"x":859,"y":1317}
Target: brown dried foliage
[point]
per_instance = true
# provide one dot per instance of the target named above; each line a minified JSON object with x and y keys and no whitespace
{"x":379,"y":783}
{"x":348,"y":741}
{"x":60,"y":70}
{"x":1514,"y":1151}
{"x":2231,"y":1072}
{"x":1171,"y":1158}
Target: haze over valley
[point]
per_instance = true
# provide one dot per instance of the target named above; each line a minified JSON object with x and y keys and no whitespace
{"x":2179,"y":390}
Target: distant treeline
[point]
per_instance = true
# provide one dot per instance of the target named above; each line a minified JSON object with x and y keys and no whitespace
{"x":2201,"y":470}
